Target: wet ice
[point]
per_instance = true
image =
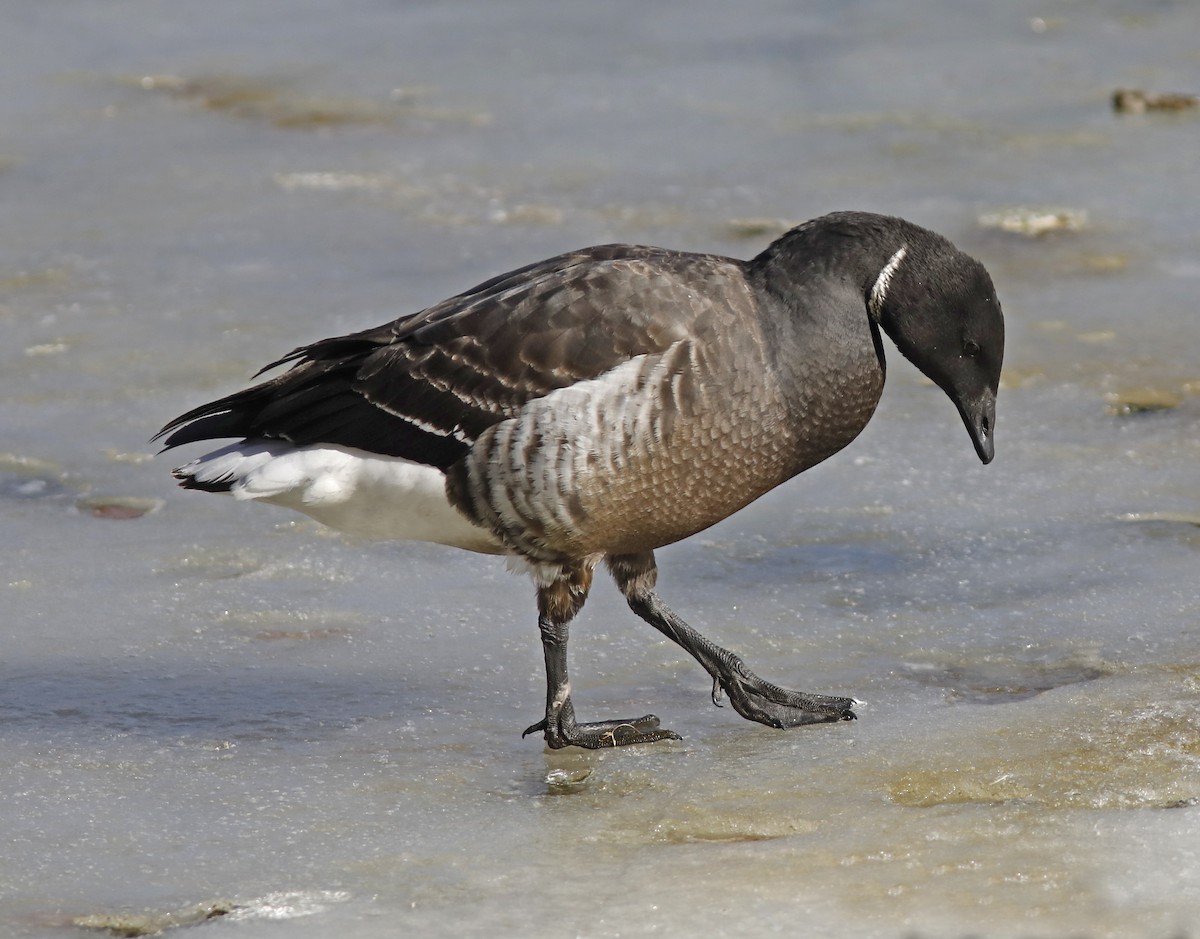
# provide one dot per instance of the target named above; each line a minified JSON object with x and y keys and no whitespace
{"x":208,"y":704}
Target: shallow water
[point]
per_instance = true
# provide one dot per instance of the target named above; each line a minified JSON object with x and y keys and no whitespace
{"x":213,"y":708}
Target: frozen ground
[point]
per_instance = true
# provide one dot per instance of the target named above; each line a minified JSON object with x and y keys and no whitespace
{"x":217,"y":708}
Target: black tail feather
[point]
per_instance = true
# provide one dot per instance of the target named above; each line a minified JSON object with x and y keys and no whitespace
{"x":187,"y":481}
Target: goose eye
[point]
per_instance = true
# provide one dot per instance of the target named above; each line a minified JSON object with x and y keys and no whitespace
{"x":971,"y":348}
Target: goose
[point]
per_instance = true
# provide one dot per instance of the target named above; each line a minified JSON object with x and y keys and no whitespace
{"x":595,"y":406}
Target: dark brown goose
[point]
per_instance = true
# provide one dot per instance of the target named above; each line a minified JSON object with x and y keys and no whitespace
{"x":606,"y":402}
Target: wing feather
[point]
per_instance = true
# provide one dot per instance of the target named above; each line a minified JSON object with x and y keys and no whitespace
{"x":425,"y":386}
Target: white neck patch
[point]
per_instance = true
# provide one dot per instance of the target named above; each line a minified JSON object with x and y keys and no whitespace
{"x":879,"y":291}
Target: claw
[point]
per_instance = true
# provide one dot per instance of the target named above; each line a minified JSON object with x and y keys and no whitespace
{"x":538,"y":728}
{"x":717,"y":693}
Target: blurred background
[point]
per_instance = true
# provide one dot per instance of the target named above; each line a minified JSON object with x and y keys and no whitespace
{"x":221,"y":714}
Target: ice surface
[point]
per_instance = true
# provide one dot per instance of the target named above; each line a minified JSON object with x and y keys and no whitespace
{"x":208,"y":704}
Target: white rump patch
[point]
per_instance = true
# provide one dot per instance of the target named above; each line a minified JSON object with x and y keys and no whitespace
{"x":361,"y":493}
{"x":879,"y":291}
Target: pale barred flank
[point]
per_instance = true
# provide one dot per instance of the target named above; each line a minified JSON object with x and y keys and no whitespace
{"x":525,"y":476}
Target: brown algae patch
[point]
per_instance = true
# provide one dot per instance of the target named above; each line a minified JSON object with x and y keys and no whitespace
{"x":1104,"y":263}
{"x":1035,"y":222}
{"x":31,"y":466}
{"x":273,"y":906}
{"x":118,"y":507}
{"x":264,"y":101}
{"x":1136,"y":749}
{"x":1142,"y":400}
{"x":275,"y":102}
{"x":1136,"y":101}
{"x":130,"y":925}
{"x":732,"y":820}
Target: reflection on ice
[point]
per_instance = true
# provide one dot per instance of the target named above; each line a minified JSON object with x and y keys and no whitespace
{"x":995,"y":679}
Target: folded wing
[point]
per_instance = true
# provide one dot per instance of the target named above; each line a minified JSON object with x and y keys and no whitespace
{"x":425,"y":386}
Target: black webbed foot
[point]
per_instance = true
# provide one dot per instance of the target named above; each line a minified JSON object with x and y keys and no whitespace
{"x":565,"y":731}
{"x":761,"y":701}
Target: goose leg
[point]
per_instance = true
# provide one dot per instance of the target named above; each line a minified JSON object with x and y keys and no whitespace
{"x":752,"y":697}
{"x":557,"y":605}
